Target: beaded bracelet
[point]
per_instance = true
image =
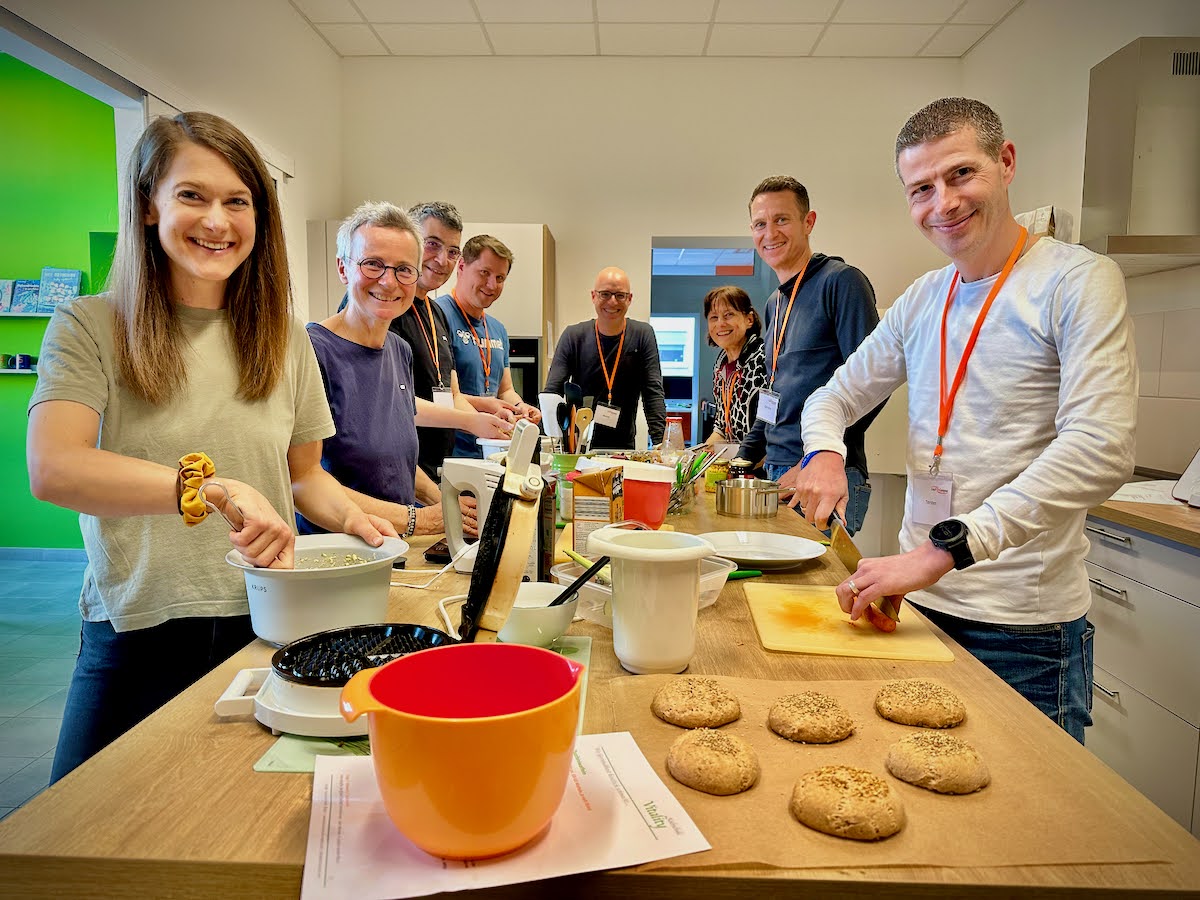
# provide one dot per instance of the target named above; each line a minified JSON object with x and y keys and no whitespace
{"x":412,"y":521}
{"x":193,"y":469}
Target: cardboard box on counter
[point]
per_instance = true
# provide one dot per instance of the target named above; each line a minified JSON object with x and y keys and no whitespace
{"x":599,"y":501}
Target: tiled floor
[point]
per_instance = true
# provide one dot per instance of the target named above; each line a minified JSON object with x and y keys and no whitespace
{"x":39,"y":638}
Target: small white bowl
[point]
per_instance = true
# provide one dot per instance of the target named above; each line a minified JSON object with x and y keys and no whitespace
{"x":532,"y":620}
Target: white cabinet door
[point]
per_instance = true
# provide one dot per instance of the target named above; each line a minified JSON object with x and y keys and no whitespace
{"x":1152,"y":749}
{"x":1147,"y":639}
{"x":1157,"y":562}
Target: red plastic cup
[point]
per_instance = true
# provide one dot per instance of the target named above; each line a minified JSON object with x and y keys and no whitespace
{"x":647,"y":492}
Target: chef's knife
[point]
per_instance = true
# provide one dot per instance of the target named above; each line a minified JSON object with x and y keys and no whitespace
{"x":850,"y":557}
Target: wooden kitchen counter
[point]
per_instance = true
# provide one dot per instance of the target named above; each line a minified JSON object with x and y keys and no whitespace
{"x":1178,"y":522}
{"x":174,"y":808}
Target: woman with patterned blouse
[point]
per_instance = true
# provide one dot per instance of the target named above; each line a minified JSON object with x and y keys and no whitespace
{"x":740,"y":370}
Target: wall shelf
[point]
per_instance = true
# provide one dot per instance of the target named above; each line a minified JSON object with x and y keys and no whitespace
{"x":18,"y":371}
{"x":11,"y":315}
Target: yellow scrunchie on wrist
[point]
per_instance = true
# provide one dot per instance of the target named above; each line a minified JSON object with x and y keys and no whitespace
{"x":193,"y":469}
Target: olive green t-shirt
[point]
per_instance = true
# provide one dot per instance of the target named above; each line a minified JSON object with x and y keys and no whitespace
{"x":144,"y":570}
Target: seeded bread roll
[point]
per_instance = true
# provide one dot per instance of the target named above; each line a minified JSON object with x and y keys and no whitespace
{"x":847,"y":802}
{"x":693,"y":702}
{"x":938,"y":761}
{"x":918,"y":701}
{"x":713,"y":762}
{"x":810,"y":718}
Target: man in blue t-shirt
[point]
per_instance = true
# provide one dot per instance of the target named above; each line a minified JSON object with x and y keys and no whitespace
{"x":481,"y":341}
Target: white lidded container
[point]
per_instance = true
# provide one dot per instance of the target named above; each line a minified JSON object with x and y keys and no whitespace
{"x":288,"y":604}
{"x":656,"y":591}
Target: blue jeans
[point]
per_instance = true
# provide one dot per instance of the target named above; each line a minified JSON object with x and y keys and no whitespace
{"x":121,"y":678}
{"x":857,"y":486}
{"x":1049,"y":665}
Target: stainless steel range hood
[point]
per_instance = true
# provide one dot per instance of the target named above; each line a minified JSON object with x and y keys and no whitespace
{"x":1141,"y":171}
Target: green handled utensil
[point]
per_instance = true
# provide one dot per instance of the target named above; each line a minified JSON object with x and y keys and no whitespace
{"x":744,"y":573}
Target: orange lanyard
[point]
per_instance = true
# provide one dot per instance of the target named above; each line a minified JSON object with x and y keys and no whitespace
{"x":485,"y":350}
{"x":609,"y":379}
{"x":781,"y":330}
{"x":946,"y":398}
{"x":727,"y":397}
{"x":437,"y":363}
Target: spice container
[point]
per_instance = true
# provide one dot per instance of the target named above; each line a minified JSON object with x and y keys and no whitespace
{"x":718,"y":471}
{"x":740,"y":468}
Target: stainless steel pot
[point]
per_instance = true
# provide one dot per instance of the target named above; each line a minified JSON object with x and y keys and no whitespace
{"x":747,"y":498}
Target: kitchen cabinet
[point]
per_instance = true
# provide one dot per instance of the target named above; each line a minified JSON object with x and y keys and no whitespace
{"x":1146,"y":609}
{"x":526,"y":307}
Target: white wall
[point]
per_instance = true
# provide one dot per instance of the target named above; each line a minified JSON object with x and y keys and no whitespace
{"x":1034,"y":70}
{"x":255,"y":62}
{"x":610,"y":152}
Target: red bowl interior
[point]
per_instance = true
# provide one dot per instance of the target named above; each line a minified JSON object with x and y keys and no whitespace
{"x":471,"y":681}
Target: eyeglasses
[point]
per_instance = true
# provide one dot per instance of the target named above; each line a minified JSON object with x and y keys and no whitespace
{"x":434,"y":247}
{"x":619,"y":296}
{"x":374,"y":268}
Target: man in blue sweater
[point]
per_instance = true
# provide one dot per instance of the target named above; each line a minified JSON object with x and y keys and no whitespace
{"x":819,"y":315}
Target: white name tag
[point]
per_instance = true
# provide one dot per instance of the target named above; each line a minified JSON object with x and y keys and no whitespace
{"x":768,"y":406}
{"x":443,"y":397}
{"x":607,"y":415}
{"x":931,"y":498}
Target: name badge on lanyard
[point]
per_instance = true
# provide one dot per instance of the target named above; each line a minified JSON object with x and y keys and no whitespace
{"x":607,"y":415}
{"x":443,"y":397}
{"x":768,"y":406}
{"x":932,"y":496}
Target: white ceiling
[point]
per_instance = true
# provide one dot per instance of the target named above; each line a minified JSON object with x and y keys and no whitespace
{"x":747,"y":28}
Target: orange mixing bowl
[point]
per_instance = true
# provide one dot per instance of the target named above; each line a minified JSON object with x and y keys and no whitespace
{"x":471,"y":743}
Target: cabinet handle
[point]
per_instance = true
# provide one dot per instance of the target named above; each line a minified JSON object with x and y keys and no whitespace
{"x":1111,"y":535}
{"x":1120,"y":593}
{"x":1112,"y":695}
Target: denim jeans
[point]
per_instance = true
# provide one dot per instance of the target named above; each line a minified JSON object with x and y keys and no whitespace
{"x":1049,"y":665}
{"x":121,"y":678}
{"x":857,"y":486}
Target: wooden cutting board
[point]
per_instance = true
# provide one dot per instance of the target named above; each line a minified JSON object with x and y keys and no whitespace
{"x":807,"y":619}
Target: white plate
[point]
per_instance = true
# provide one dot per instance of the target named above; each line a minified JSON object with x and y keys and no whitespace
{"x":763,"y":549}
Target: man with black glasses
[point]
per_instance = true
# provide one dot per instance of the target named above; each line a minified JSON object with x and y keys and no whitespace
{"x":425,"y":328}
{"x":615,"y":360}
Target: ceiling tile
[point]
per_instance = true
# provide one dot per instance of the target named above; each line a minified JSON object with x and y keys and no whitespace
{"x":535,"y":10}
{"x":763,"y":40}
{"x":434,"y":40}
{"x":543,"y":40}
{"x":954,"y":40}
{"x":352,"y":40}
{"x":328,"y":10}
{"x":771,"y":11}
{"x":417,"y":10}
{"x":983,"y":12}
{"x":652,"y":40}
{"x":873,"y":40}
{"x":663,"y":11}
{"x":889,"y":11}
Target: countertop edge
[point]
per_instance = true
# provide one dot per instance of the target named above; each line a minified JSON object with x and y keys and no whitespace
{"x":1179,"y":523}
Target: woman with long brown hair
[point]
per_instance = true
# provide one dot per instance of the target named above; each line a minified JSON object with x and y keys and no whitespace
{"x":188,"y":368}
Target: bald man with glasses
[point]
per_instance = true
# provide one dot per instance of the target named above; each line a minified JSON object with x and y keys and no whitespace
{"x":615,"y":360}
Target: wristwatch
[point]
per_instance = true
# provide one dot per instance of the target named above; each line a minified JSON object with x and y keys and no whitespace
{"x":951,"y":535}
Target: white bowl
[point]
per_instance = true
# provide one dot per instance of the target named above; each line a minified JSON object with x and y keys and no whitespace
{"x":595,"y":600}
{"x":532,"y":620}
{"x":288,"y":604}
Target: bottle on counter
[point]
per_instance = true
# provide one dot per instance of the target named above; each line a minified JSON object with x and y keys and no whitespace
{"x":740,"y":468}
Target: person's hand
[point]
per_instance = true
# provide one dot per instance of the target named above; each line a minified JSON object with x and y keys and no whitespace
{"x":368,"y":527}
{"x":490,"y":427}
{"x":496,"y":407}
{"x":820,"y":488}
{"x":891,"y":576}
{"x":470,"y":514}
{"x":265,"y":540}
{"x":532,"y":413}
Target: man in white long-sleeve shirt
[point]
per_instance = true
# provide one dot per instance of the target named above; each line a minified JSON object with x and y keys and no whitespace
{"x":1022,"y":403}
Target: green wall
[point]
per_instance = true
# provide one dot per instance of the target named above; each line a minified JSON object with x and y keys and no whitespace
{"x":58,"y":185}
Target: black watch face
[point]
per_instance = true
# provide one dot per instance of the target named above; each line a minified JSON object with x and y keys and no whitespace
{"x":948,"y":530}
